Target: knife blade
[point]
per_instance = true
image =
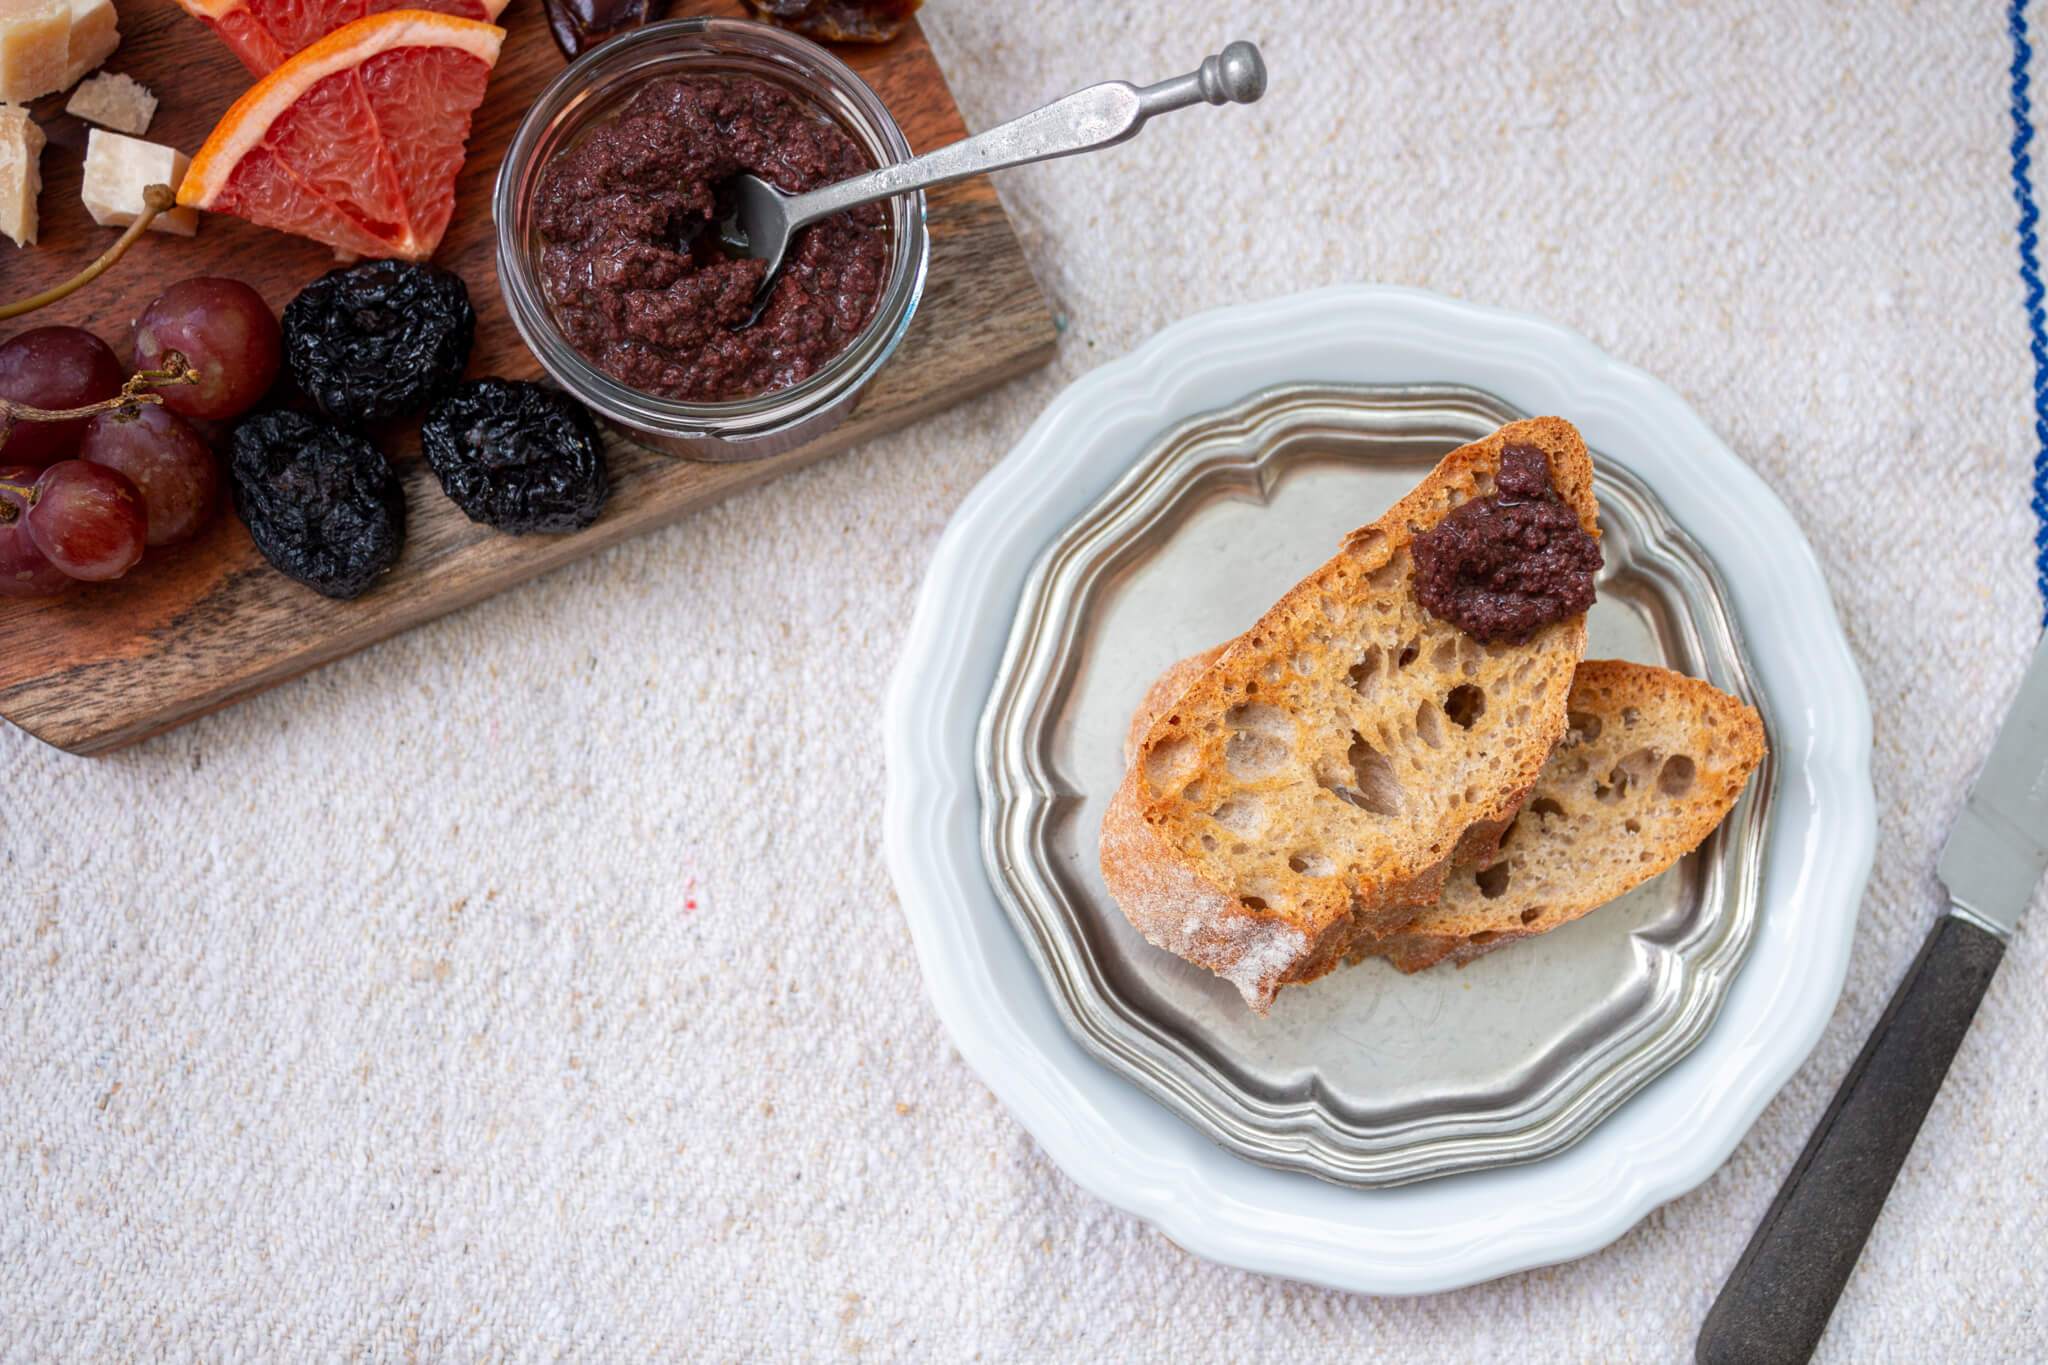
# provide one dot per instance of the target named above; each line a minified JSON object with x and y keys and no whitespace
{"x":1779,"y":1297}
{"x":1998,"y":848}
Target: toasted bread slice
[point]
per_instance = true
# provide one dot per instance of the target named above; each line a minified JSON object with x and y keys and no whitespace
{"x":1651,"y":762}
{"x":1308,"y":790}
{"x":1557,"y":865}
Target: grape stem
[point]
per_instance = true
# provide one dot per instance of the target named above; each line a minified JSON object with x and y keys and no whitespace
{"x":155,"y":199}
{"x":135,"y":391}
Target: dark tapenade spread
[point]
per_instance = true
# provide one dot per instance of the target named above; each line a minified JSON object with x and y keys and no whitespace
{"x":1503,"y":567}
{"x":631,"y":260}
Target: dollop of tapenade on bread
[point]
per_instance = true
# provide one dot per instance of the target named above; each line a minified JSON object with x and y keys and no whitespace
{"x":1501,"y":568}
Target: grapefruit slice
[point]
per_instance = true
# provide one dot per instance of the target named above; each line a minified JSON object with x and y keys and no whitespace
{"x":354,"y":142}
{"x":263,"y":33}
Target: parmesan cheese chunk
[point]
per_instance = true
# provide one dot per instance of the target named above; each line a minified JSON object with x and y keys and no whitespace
{"x":118,"y":169}
{"x":35,"y":48}
{"x":114,"y":101}
{"x":94,"y":36}
{"x":21,"y":178}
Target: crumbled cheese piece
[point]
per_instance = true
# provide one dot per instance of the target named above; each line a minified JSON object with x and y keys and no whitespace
{"x":94,"y":36}
{"x":35,"y":47}
{"x":21,"y":178}
{"x":118,"y":169}
{"x":113,"y":101}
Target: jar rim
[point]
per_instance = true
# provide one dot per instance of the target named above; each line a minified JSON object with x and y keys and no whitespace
{"x":829,"y":86}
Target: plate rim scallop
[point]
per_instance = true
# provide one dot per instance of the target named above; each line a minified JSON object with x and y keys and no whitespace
{"x":1132,"y":1153}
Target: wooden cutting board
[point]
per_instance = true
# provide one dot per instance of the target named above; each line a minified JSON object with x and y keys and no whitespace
{"x":199,"y":626}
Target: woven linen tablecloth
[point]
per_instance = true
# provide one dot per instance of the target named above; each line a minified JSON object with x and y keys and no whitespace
{"x":532,"y":984}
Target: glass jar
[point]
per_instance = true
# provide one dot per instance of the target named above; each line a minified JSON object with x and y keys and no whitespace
{"x":595,"y":87}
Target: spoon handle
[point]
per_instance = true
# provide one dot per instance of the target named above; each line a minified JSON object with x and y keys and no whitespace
{"x":1098,"y":116}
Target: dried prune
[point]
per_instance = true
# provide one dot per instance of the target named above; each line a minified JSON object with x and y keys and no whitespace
{"x":379,"y":339}
{"x":838,"y":21}
{"x":580,"y":24}
{"x":517,"y":456}
{"x":322,"y":504}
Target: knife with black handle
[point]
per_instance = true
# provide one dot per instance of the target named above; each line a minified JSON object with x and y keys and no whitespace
{"x":1777,"y":1301}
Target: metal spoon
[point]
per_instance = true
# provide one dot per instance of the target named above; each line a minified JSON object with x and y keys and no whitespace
{"x":1098,"y":116}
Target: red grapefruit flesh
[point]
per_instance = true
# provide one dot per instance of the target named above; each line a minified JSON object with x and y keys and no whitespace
{"x":355,"y":141}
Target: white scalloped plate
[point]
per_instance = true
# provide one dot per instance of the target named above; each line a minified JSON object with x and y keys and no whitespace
{"x":1125,"y":1148}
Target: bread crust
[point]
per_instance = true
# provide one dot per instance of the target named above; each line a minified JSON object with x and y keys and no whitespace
{"x":1183,"y":895}
{"x":1183,"y":912}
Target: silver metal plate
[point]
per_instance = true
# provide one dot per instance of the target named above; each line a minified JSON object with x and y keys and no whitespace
{"x":1367,"y":1077}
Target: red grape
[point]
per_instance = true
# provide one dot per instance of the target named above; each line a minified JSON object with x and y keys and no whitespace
{"x":224,"y":330}
{"x":90,"y":521}
{"x":25,"y":571}
{"x":54,"y":367}
{"x":165,"y":459}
